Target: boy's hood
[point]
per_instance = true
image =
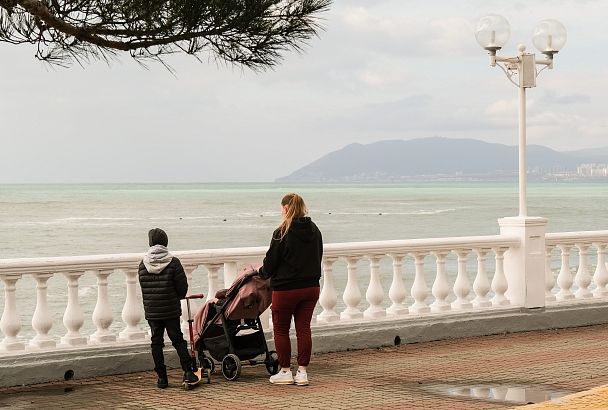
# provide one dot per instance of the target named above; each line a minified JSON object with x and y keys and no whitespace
{"x":157,"y":258}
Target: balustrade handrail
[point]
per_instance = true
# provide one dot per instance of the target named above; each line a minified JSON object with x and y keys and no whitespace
{"x":419,"y":245}
{"x":210,"y":256}
{"x":555,"y":238}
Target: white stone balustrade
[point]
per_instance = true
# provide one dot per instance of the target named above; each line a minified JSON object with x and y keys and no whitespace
{"x":397,"y":292}
{"x":462,"y":286}
{"x":73,"y":318}
{"x":600,"y":277}
{"x":481,"y":285}
{"x":102,"y":268}
{"x":10,"y":323}
{"x":419,"y":289}
{"x":499,"y":282}
{"x":441,"y":287}
{"x":132,"y":311}
{"x":42,"y":321}
{"x":328,"y":298}
{"x":549,"y":278}
{"x":582,"y":285}
{"x":405,"y":268}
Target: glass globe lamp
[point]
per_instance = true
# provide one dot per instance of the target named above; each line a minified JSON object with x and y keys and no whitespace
{"x":549,"y":37}
{"x":492,"y":32}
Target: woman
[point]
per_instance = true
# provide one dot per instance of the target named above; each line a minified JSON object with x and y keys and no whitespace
{"x":293,"y":263}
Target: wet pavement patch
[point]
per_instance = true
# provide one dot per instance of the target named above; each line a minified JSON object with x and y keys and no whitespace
{"x":34,"y":395}
{"x":516,"y":394}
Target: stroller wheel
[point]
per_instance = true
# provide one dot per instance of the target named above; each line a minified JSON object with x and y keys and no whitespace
{"x":207,"y":376}
{"x":272,"y":363}
{"x":231,"y":367}
{"x":208,"y":364}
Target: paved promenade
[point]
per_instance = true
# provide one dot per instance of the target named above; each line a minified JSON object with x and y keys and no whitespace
{"x":436,"y":375}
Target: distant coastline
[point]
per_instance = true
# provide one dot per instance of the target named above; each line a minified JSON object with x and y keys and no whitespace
{"x":444,"y":159}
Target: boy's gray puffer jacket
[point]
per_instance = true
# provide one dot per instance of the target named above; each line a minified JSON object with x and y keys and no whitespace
{"x":163,"y":291}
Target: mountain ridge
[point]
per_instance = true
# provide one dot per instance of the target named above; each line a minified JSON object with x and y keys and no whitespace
{"x":435,"y":157}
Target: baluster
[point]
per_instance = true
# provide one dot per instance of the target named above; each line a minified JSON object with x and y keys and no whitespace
{"x":328,"y":297}
{"x":102,"y":315}
{"x":352,"y":294}
{"x":212,"y":277}
{"x":397,"y":292}
{"x":441,"y":288}
{"x":564,"y":278}
{"x":582,"y":278}
{"x":600,"y":277}
{"x":230,"y":272}
{"x":73,"y":318}
{"x":419,"y":289}
{"x":461,"y":285}
{"x":188,"y":269}
{"x":481,"y":285}
{"x":549,"y":278}
{"x":499,"y":281}
{"x":132,"y":311}
{"x":374,"y":293}
{"x":10,"y":324}
{"x":42,"y":321}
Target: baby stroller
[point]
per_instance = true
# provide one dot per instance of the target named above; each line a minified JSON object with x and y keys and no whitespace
{"x":229,"y":330}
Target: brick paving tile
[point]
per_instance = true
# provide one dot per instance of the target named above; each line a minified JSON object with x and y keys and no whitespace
{"x":454,"y":374}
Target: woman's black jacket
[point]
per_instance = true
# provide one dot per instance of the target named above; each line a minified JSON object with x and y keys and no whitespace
{"x":294,"y":262}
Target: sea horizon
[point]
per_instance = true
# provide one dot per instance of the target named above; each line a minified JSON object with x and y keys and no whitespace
{"x":74,"y":218}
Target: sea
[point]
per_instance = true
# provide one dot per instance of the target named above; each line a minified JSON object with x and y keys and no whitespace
{"x":66,"y":220}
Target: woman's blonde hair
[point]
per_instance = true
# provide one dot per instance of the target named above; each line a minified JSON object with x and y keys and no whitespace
{"x":296,"y":208}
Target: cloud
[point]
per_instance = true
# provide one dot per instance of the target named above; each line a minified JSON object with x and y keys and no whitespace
{"x":551,"y":97}
{"x":382,"y":69}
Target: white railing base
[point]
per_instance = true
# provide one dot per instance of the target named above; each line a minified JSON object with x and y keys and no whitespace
{"x":397,"y":310}
{"x":440,"y":307}
{"x":72,"y":341}
{"x":564,"y":296}
{"x":418,"y":310}
{"x":346,"y":315}
{"x":481,"y":303}
{"x":328,"y":317}
{"x":41,"y":343}
{"x":101,"y":338}
{"x":132,"y":335}
{"x":600,"y":293}
{"x":461,"y":305}
{"x":11,"y":346}
{"x":372,"y":313}
{"x":500,"y":300}
{"x":583,"y":294}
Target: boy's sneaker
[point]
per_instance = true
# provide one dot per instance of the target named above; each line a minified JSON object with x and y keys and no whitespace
{"x":301,"y":378}
{"x":190,"y":377}
{"x":162,"y":383}
{"x":282,"y":377}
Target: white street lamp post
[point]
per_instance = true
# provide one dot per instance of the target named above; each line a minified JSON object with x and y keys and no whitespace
{"x":549,"y":37}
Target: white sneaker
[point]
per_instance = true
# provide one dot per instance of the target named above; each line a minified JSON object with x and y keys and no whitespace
{"x":301,"y":378}
{"x":282,"y":377}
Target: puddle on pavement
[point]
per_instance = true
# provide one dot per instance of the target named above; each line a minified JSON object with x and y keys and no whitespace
{"x":517,"y":394}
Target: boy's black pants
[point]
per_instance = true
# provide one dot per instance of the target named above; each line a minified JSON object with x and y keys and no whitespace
{"x":177,"y":339}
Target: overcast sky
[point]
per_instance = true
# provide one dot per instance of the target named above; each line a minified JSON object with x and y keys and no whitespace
{"x":383,"y":69}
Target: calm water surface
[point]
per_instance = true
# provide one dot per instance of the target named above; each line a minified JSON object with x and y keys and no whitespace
{"x":63,"y":220}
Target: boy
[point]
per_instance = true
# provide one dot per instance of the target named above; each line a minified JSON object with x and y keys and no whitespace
{"x":163,"y":284}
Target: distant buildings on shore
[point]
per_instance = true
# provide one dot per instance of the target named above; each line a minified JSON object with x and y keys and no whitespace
{"x":592,"y":170}
{"x":583,"y":171}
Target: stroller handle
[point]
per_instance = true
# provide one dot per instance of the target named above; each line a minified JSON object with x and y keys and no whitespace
{"x":195,"y":296}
